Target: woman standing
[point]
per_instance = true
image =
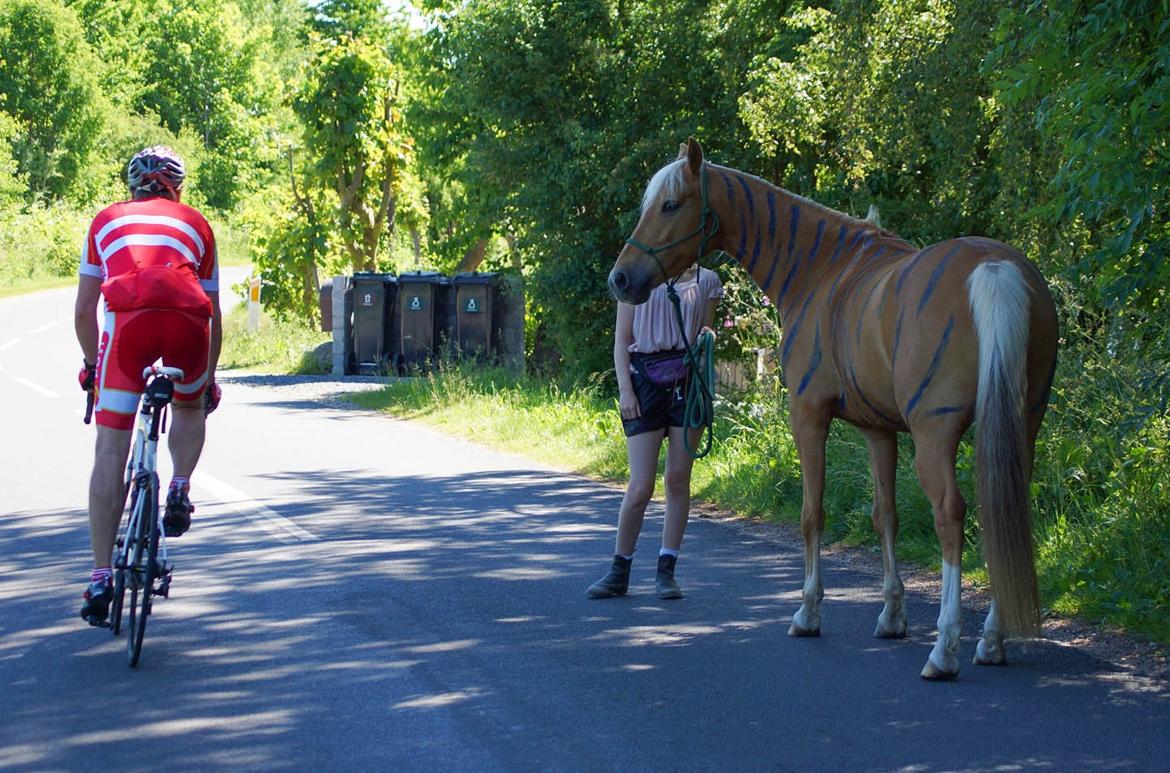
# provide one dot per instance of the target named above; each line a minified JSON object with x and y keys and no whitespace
{"x":649,"y":358}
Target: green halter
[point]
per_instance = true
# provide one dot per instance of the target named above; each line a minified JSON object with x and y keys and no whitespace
{"x":701,"y":230}
{"x":700,"y":405}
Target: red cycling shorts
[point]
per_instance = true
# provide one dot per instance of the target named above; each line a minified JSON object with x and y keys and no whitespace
{"x":133,"y":340}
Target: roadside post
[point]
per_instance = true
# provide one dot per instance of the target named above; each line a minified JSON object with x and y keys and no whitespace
{"x":253,"y":302}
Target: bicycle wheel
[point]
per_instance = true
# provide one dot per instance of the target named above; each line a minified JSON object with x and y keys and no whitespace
{"x":143,"y":574}
{"x":123,"y":558}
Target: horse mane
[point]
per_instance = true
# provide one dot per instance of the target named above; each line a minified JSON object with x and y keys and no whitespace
{"x":668,"y":179}
{"x":671,"y":180}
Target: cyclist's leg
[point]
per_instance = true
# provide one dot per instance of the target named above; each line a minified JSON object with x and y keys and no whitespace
{"x":107,"y":491}
{"x":188,"y":344}
{"x":117,"y":399}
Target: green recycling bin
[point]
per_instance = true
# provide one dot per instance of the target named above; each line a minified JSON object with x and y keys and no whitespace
{"x":374,"y":298}
{"x":476,"y":317}
{"x":422,"y":312}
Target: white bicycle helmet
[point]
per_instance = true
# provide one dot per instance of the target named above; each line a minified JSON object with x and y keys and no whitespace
{"x":156,"y":171}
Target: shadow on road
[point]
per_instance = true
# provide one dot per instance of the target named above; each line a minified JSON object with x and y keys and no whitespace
{"x":442,"y":620}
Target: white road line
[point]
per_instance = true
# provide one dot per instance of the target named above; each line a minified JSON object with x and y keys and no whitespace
{"x":43,"y":328}
{"x":274,"y":522}
{"x":12,"y":343}
{"x":36,"y":387}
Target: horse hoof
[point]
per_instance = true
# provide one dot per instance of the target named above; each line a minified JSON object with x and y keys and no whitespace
{"x":887,"y":629}
{"x":805,"y":624}
{"x":989,"y":654}
{"x":933,"y":673}
{"x":796,"y":630}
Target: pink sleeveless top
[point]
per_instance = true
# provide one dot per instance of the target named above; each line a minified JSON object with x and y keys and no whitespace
{"x":655,"y":325}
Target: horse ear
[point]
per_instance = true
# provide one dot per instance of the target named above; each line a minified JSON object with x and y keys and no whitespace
{"x":682,"y":150}
{"x":694,"y":155}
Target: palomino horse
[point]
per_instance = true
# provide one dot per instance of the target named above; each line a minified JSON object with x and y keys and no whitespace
{"x":890,"y":338}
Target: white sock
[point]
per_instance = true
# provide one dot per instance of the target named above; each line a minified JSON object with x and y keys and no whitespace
{"x":668,"y":552}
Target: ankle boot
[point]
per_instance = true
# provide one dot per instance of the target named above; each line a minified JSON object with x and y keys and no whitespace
{"x":665,"y":583}
{"x":616,"y":583}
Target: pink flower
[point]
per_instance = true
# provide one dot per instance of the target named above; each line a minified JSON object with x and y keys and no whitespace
{"x":728,"y":323}
{"x":767,"y":301}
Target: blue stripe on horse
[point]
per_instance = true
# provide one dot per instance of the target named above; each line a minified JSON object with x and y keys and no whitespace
{"x":790,"y":335}
{"x":814,"y":362}
{"x":933,"y":369}
{"x":730,"y":187}
{"x":816,"y":247}
{"x":876,"y":411}
{"x":935,"y":276}
{"x":787,"y":281}
{"x":944,"y":410}
{"x":755,"y":251}
{"x":897,"y":339}
{"x":747,"y":192}
{"x":840,"y":244}
{"x":864,"y":306}
{"x":910,"y":267}
{"x":771,"y":217}
{"x":792,"y":231}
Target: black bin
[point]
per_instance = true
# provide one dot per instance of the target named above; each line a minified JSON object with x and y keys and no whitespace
{"x":476,"y":319}
{"x":374,"y":297}
{"x":422,"y":312}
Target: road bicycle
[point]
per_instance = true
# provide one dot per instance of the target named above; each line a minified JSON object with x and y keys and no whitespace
{"x":140,"y":554}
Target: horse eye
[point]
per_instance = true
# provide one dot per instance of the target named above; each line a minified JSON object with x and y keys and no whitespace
{"x":670,"y":205}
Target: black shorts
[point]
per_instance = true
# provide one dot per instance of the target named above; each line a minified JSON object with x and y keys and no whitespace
{"x":662,"y":406}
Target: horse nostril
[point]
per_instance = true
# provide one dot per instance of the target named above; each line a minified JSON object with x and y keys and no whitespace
{"x":618,"y":280}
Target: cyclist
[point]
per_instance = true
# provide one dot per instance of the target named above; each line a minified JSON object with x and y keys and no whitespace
{"x":153,"y":259}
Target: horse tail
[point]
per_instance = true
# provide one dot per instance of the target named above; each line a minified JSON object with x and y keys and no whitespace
{"x":1000,"y":298}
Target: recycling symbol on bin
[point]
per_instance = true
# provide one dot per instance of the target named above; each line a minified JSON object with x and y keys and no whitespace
{"x":471,"y":307}
{"x":415,"y":303}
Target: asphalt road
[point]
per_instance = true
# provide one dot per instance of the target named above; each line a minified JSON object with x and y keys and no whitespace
{"x":360,"y":593}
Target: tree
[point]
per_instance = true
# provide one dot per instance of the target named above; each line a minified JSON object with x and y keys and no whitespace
{"x":353,"y":130}
{"x":48,"y":85}
{"x":208,"y":70}
{"x":1098,"y":78}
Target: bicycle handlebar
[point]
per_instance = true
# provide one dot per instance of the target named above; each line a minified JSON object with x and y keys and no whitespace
{"x":162,"y":370}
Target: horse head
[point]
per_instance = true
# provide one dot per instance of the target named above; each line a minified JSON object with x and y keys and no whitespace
{"x":672,"y":232}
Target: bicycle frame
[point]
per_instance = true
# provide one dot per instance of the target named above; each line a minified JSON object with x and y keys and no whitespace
{"x":140,"y":540}
{"x":143,"y":460}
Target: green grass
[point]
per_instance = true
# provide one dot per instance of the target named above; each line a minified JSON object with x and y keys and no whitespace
{"x":40,"y":247}
{"x":22,"y":286}
{"x":276,"y":346}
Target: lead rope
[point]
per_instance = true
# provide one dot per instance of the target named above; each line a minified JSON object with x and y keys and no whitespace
{"x":700,"y":405}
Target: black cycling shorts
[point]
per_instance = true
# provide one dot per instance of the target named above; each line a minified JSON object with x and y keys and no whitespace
{"x":662,"y":406}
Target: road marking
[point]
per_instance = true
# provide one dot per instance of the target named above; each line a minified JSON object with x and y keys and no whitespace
{"x":35,"y":387}
{"x":43,"y":328}
{"x":10,"y":344}
{"x":276,"y":524}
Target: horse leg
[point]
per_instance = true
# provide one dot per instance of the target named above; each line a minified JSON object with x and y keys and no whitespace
{"x":883,"y":457}
{"x":934,"y":461}
{"x":810,"y":428}
{"x":990,"y":651}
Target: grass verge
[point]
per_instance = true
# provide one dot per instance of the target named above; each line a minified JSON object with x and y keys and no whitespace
{"x":276,"y":346}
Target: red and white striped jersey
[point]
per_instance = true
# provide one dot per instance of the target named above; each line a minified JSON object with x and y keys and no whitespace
{"x":133,"y":239}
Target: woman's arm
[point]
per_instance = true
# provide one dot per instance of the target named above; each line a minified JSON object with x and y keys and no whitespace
{"x":623,"y":336}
